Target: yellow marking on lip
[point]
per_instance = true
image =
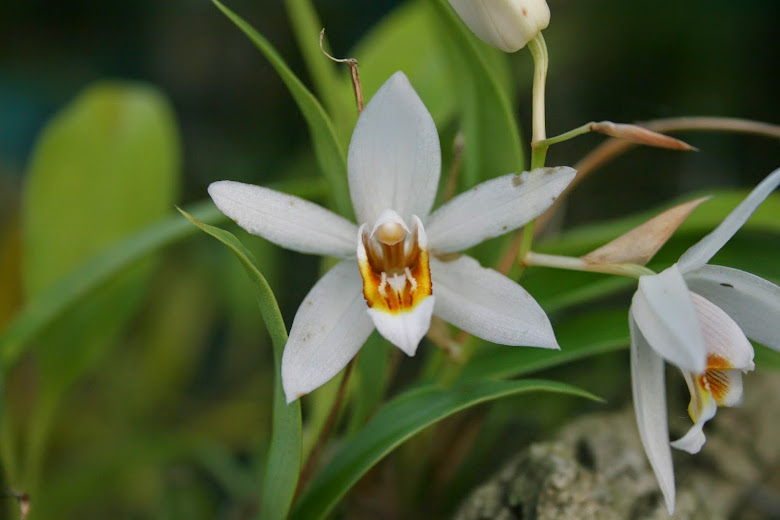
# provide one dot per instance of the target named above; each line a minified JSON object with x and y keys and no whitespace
{"x":381,"y":295}
{"x":395,"y":269}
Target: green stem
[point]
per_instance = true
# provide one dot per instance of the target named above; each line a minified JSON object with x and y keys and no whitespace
{"x":578,"y":264}
{"x":538,"y":49}
{"x":546,"y":143}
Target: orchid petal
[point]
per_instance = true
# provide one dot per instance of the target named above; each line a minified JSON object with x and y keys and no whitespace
{"x":701,"y":409}
{"x":665,"y":314}
{"x":495,"y":207}
{"x":285,"y":220}
{"x":647,"y":383}
{"x":751,"y":301}
{"x":489,"y":305}
{"x":405,"y":329}
{"x":726,"y":344}
{"x":394,"y":158}
{"x":329,"y":328}
{"x":702,"y":251}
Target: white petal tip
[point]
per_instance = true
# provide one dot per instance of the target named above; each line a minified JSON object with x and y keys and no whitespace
{"x":405,"y":330}
{"x":691,"y":442}
{"x":291,"y":398}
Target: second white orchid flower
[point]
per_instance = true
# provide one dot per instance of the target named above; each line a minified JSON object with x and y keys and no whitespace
{"x":696,"y":316}
{"x":394,"y":275}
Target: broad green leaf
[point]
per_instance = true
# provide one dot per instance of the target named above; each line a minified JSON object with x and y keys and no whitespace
{"x":284,"y":459}
{"x":585,"y":335}
{"x":104,"y":167}
{"x":327,"y":149}
{"x":493,"y":145}
{"x":337,"y":96}
{"x":92,"y":274}
{"x":396,"y":422}
{"x":407,"y":40}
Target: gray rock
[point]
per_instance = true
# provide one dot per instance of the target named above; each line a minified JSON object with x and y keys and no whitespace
{"x":596,"y":469}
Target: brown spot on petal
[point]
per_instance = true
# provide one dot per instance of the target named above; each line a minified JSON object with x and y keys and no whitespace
{"x":448,"y":257}
{"x":525,"y":11}
{"x":517,"y":181}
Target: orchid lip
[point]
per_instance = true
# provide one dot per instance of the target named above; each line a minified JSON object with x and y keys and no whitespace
{"x":394,"y":264}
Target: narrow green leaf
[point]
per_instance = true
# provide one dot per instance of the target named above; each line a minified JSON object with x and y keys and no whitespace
{"x":396,"y":422}
{"x":585,"y":335}
{"x":41,"y":312}
{"x":327,"y":149}
{"x":493,"y":145}
{"x":284,"y":455}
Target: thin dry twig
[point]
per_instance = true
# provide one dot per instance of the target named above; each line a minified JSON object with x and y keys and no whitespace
{"x":353,"y":72}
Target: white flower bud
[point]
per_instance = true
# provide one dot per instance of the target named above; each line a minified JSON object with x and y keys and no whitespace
{"x":506,"y":24}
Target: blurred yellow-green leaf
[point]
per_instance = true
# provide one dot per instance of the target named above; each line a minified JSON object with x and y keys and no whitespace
{"x":104,"y":167}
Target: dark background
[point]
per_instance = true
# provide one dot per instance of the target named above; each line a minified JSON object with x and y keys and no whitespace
{"x":610,"y":59}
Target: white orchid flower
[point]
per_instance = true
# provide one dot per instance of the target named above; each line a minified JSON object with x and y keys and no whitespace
{"x":506,"y":24}
{"x":394,"y":275}
{"x":696,"y":316}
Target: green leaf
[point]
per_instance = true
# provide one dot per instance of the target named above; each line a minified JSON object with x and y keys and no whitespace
{"x":284,"y":455}
{"x":493,"y":145}
{"x":105,"y":166}
{"x":766,"y":357}
{"x":92,"y":274}
{"x":585,"y":335}
{"x":396,"y":422}
{"x":327,"y":149}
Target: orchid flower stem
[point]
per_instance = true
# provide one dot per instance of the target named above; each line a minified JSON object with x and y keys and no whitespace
{"x":578,"y":264}
{"x":538,"y":49}
{"x":546,"y":143}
